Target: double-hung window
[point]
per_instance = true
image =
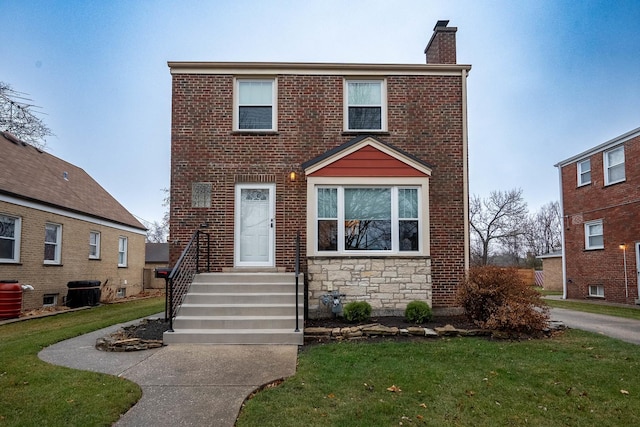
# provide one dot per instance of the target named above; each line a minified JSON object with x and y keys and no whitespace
{"x":614,"y":166}
{"x":122,"y":251}
{"x":365,"y":105}
{"x":256,"y":108}
{"x":52,"y":243}
{"x":593,"y":235}
{"x":368,"y":219}
{"x":584,"y":172}
{"x":94,"y":245}
{"x":9,"y":238}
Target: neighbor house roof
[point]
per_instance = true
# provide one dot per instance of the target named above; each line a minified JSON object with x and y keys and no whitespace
{"x":33,"y":175}
{"x":602,"y":147}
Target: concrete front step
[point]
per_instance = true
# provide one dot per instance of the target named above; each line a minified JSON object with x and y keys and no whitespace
{"x":235,"y":336}
{"x":243,"y":288}
{"x":242,"y":278}
{"x":235,"y":322}
{"x":244,"y":309}
{"x":242,"y":298}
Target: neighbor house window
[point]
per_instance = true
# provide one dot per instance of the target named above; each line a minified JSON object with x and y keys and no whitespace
{"x":593,"y":235}
{"x":256,"y":108}
{"x":596,"y":291}
{"x":50,"y":300}
{"x":122,"y":251}
{"x":614,"y":166}
{"x":94,"y":245}
{"x":584,"y":172}
{"x":368,"y":219}
{"x":9,"y":238}
{"x":201,"y":195}
{"x":365,"y":105}
{"x":52,"y":243}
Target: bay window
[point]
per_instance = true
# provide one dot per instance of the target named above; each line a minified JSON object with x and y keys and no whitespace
{"x":368,"y":219}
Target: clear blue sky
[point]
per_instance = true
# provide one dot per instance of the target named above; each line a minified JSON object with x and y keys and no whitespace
{"x":550,"y":78}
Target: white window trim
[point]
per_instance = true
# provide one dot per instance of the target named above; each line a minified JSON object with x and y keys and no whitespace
{"x":16,"y":240}
{"x":598,"y":288}
{"x":274,"y":104}
{"x":53,"y":296}
{"x":312,"y":221}
{"x":587,"y":235}
{"x":383,"y":101}
{"x":125,"y":251}
{"x":582,"y":171}
{"x":97,"y":245}
{"x":58,"y":243}
{"x":607,"y":166}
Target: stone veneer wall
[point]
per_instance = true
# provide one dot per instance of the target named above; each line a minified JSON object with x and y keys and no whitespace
{"x":388,"y":284}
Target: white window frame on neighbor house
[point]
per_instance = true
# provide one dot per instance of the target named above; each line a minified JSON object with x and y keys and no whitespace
{"x":350,"y":102}
{"x":596,"y":291}
{"x":10,"y":231}
{"x":94,"y":245}
{"x":123,"y":243}
{"x":241,"y":100}
{"x":337,"y":215}
{"x":584,"y":172}
{"x":590,"y":231}
{"x":610,"y":166}
{"x":52,"y":241}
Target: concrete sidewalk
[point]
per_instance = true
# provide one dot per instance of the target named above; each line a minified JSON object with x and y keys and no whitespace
{"x":182,"y":384}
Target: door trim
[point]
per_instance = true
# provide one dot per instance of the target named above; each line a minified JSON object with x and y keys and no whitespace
{"x":272,"y":229}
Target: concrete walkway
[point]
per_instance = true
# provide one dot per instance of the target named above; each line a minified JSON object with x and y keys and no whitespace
{"x":182,"y":384}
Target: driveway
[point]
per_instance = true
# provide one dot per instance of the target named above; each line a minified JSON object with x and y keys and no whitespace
{"x":615,"y":327}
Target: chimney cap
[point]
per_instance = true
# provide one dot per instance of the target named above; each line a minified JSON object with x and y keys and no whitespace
{"x":442,"y":23}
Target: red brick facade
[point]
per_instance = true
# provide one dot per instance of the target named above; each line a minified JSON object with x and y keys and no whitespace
{"x":426,"y":116}
{"x":617,"y":206}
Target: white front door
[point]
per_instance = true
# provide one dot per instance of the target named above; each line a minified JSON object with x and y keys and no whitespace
{"x":255,"y":225}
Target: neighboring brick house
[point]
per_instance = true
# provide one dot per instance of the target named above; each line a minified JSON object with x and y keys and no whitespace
{"x":59,"y":225}
{"x":601,"y":206}
{"x":368,"y":162}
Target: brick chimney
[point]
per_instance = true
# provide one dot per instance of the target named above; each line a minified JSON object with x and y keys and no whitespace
{"x":441,"y":49}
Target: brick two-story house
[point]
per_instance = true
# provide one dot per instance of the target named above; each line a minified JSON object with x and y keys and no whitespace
{"x":600,"y":206}
{"x":368,"y":162}
{"x":58,"y":225}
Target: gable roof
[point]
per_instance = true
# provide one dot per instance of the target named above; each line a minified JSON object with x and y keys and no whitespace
{"x":156,"y":252}
{"x":602,"y":147}
{"x":32,"y":175}
{"x":350,"y":147}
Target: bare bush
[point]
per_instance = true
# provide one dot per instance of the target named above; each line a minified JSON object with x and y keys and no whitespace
{"x":498,"y":299}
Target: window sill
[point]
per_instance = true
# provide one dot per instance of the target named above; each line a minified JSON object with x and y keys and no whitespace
{"x":609,"y":184}
{"x":595,"y":297}
{"x":52,"y":265}
{"x":10,"y":263}
{"x":95,"y":259}
{"x":255,"y":133}
{"x":592,"y":249}
{"x":123,"y":266}
{"x":372,"y":256}
{"x":365,"y":132}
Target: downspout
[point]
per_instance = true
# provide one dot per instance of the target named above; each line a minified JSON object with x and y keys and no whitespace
{"x":465,"y":171}
{"x":562,"y":218}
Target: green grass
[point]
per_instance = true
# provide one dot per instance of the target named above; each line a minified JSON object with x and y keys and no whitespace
{"x":546,"y":292}
{"x":35,"y":393}
{"x":577,"y":378}
{"x":628,"y":312}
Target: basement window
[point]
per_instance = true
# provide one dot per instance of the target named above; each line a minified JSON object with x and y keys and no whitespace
{"x":121,"y":293}
{"x":50,"y":300}
{"x":596,"y":291}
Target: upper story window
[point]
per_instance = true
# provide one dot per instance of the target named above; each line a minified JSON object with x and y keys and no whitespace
{"x":365,"y":105}
{"x":256,"y":108}
{"x":368,"y":219}
{"x":614,"y":166}
{"x":94,"y":245}
{"x":122,"y":251}
{"x":593,"y":235}
{"x":9,"y":238}
{"x":584,"y":172}
{"x":52,"y":243}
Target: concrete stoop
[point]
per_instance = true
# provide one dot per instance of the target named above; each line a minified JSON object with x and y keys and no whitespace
{"x":239,"y":308}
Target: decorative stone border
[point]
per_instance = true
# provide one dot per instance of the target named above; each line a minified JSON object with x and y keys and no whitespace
{"x":116,"y":342}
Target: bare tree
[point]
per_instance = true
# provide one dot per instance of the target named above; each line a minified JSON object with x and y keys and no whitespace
{"x":157,"y":232}
{"x":544,"y":230}
{"x":499,"y":218}
{"x":18,"y":117}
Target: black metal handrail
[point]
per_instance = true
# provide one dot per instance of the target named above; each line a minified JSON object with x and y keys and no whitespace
{"x":297,"y":274}
{"x":182,"y":274}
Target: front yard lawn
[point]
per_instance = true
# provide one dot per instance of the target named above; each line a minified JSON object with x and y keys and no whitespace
{"x":576,"y":378}
{"x":35,"y":393}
